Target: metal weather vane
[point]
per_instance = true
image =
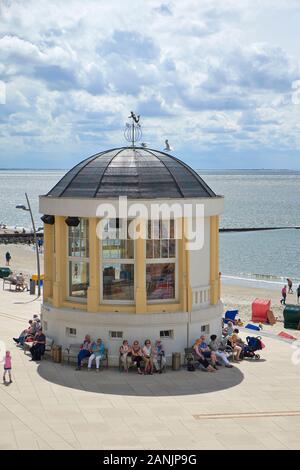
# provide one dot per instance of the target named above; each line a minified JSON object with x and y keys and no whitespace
{"x":133,"y":131}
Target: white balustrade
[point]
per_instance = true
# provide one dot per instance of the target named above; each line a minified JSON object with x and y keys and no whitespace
{"x":201,"y":296}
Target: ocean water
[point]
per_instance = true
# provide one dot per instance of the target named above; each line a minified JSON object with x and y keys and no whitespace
{"x":252,"y":199}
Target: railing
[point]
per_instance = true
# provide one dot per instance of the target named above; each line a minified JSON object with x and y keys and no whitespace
{"x":201,"y":296}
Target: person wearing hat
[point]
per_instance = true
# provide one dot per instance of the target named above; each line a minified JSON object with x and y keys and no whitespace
{"x":159,"y":358}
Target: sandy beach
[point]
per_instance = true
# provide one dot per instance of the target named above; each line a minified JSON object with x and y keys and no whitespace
{"x":23,"y":258}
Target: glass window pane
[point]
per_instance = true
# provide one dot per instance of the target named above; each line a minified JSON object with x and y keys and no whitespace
{"x":156,"y":248}
{"x":160,"y":279}
{"x":165,"y":248}
{"x":117,"y":249}
{"x":155,"y":230}
{"x":172,"y":248}
{"x":172,"y":228}
{"x":118,"y":282}
{"x":164,"y":229}
{"x":78,"y":279}
{"x":149,"y":248}
{"x":78,"y":239}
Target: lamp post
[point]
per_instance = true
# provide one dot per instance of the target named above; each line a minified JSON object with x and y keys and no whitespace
{"x":24,"y":208}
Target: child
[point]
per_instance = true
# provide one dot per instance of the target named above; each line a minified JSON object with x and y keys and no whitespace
{"x":7,"y":367}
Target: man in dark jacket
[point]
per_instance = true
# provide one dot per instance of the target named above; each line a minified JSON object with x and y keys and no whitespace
{"x":38,"y":348}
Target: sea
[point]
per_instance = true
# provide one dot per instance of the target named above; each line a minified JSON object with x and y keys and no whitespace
{"x":253,"y":198}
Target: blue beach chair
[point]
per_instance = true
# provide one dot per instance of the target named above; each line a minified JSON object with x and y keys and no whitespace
{"x":230,"y":315}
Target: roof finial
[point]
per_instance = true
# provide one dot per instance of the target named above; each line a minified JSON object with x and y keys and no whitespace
{"x":133,"y":131}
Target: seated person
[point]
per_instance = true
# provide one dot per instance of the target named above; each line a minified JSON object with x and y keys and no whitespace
{"x":137,"y":355}
{"x":97,"y":352}
{"x":207,"y":352}
{"x":38,"y":347}
{"x":236,"y":343}
{"x":200,"y":358}
{"x":217,"y":347}
{"x":125,"y":355}
{"x":20,"y":282}
{"x":85,"y":351}
{"x":228,"y":330}
{"x":148,"y":357}
{"x":239,"y":340}
{"x":25,"y":334}
{"x":159,"y":358}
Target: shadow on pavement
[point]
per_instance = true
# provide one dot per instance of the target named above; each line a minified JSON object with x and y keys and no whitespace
{"x":113,"y":382}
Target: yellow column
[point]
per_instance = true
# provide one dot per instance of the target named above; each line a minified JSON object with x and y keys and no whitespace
{"x":140,"y":270}
{"x":182,"y":267}
{"x":93,"y":295}
{"x":214,"y":259}
{"x":48,"y":261}
{"x":59,"y":286}
{"x":189,"y":291}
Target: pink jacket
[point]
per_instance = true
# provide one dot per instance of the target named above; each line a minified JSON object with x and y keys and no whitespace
{"x":7,"y":362}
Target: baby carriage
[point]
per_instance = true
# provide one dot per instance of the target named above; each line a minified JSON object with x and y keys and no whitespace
{"x":253,"y":344}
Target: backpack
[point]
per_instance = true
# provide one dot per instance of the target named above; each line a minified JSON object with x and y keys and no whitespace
{"x":190,"y":366}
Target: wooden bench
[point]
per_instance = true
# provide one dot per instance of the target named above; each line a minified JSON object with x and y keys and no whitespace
{"x":70,"y":354}
{"x":48,"y":346}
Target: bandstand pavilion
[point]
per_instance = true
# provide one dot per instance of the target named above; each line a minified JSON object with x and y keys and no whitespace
{"x":115,"y":288}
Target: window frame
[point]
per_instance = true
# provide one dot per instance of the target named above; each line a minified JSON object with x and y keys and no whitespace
{"x":173,"y":260}
{"x":112,"y":262}
{"x":77,"y":259}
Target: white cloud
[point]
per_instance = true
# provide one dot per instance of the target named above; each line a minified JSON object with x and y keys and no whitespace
{"x":73,"y":70}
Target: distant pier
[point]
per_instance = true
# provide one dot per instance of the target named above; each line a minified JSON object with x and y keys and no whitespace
{"x":257,"y":229}
{"x":28,"y":238}
{"x":22,"y":238}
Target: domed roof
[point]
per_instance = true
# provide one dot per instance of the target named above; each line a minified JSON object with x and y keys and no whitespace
{"x":135,"y":172}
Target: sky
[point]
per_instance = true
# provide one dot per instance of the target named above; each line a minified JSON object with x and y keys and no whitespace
{"x":219,"y":79}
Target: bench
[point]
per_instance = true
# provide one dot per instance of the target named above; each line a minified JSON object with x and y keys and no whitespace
{"x":48,"y":346}
{"x":70,"y":354}
{"x":189,"y":356}
{"x":13,"y":282}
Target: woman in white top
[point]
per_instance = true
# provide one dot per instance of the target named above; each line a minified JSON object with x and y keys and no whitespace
{"x":125,"y":355}
{"x":148,"y":357}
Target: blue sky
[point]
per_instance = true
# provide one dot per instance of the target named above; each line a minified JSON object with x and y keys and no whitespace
{"x":215,"y":77}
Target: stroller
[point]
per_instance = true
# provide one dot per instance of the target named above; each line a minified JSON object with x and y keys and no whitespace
{"x":253,"y":344}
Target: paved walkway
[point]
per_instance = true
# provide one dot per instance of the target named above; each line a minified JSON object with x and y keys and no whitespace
{"x":256,"y":405}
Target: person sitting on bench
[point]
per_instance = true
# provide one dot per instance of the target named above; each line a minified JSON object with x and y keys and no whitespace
{"x":85,"y":351}
{"x":97,"y":353}
{"x":200,"y":358}
{"x":159,"y":358}
{"x":38,"y":348}
{"x":137,"y":355}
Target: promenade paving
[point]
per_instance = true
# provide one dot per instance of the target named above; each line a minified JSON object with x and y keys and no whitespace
{"x":255,"y":405}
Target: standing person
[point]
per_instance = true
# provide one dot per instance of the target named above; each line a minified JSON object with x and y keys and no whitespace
{"x":97,"y":353}
{"x":7,"y":367}
{"x":283,"y":293}
{"x":298,"y":293}
{"x":159,"y":357}
{"x":290,"y":286}
{"x":85,"y":351}
{"x":7,"y":258}
{"x":148,"y":357}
